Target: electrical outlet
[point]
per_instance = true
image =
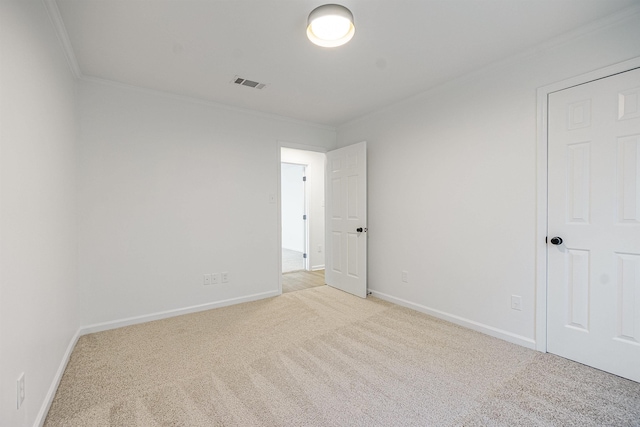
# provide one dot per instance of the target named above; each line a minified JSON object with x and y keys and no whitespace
{"x":225,"y":276}
{"x":215,"y":279}
{"x":20,"y":390}
{"x":516,"y":302}
{"x":405,"y":277}
{"x":207,"y":279}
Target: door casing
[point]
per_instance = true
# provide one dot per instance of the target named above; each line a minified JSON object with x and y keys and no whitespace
{"x":542,"y":186}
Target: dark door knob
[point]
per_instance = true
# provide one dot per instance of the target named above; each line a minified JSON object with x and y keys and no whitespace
{"x":359,"y":229}
{"x":556,"y":240}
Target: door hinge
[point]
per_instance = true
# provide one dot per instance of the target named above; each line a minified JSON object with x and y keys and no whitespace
{"x":304,"y":217}
{"x":304,"y":178}
{"x":304,"y":255}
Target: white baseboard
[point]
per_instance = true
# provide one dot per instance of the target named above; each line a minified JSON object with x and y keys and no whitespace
{"x":99,"y":327}
{"x":317,"y":267}
{"x":470,"y":324}
{"x":51,"y":393}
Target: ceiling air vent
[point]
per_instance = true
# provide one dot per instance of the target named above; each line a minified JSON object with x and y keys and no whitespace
{"x":245,"y":82}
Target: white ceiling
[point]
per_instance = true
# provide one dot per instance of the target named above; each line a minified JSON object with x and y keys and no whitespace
{"x":196,"y":47}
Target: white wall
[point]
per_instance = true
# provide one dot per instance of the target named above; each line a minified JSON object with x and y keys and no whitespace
{"x":452,"y":185}
{"x":292,"y":200}
{"x":170,"y":190}
{"x":315,"y":162}
{"x":38,"y":228}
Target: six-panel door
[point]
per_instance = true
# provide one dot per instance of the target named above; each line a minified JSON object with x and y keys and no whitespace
{"x":593,"y":311}
{"x":346,"y":213}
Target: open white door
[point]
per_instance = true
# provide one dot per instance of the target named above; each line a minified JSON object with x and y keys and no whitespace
{"x":593,"y":308}
{"x":346,"y":218}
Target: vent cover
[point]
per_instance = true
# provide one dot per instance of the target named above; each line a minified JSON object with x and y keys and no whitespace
{"x":250,"y":83}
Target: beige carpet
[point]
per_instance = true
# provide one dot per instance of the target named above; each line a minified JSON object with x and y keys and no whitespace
{"x":320,"y":357}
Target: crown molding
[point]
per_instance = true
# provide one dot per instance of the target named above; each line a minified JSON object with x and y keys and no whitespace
{"x":608,"y":21}
{"x":204,"y":102}
{"x":61,"y":31}
{"x":63,"y":36}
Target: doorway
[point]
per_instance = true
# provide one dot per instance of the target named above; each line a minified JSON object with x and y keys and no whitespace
{"x":302,"y":218}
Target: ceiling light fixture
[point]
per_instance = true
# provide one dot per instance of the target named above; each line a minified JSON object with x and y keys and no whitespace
{"x":330,"y":25}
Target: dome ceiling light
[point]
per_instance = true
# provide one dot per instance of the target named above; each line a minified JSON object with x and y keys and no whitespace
{"x":330,"y":25}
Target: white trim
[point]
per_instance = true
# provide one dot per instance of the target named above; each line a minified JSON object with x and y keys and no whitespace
{"x":99,"y":327}
{"x":314,"y":148}
{"x":542,"y":186}
{"x":606,"y":22}
{"x":469,"y":324}
{"x":279,"y":212}
{"x":306,"y":261}
{"x":63,"y":36}
{"x":540,"y":313}
{"x":317,"y":267}
{"x":51,"y":393}
{"x":205,"y":102}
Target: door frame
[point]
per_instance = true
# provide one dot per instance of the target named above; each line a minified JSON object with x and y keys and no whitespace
{"x":542,"y":185}
{"x":306,"y":249}
{"x":280,"y":146}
